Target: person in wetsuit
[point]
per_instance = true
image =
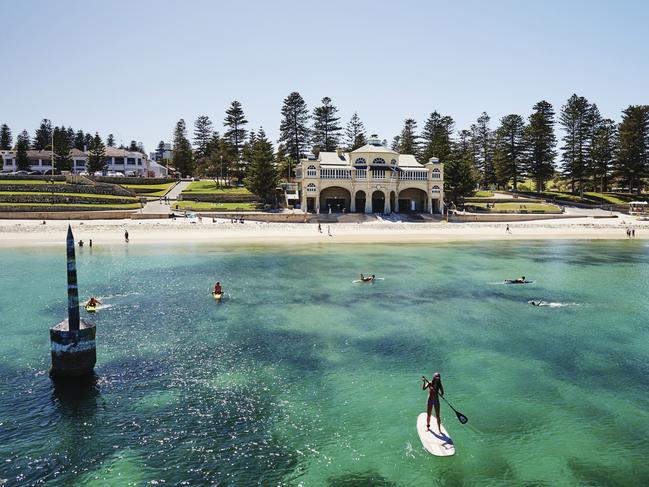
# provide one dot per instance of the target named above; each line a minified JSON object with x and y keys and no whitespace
{"x":435,"y":389}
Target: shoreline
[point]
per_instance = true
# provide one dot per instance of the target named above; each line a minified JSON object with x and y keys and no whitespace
{"x":30,"y":233}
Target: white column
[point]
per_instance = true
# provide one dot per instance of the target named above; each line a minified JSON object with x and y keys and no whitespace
{"x":352,"y":204}
{"x":387,"y":206}
{"x":368,"y":203}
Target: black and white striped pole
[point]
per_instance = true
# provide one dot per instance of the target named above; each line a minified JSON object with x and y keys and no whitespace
{"x":73,"y":340}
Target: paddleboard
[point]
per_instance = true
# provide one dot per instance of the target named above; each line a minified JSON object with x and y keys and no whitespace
{"x":217,"y":296}
{"x":91,"y":309}
{"x":375,"y":279}
{"x":440,"y":445}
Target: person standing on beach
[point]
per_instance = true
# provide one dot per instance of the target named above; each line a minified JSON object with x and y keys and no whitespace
{"x":319,"y":228}
{"x":507,"y":229}
{"x":329,"y":230}
{"x":90,"y":243}
{"x":435,"y":389}
{"x":126,"y":236}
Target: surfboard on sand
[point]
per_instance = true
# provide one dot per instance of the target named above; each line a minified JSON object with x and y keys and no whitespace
{"x":440,"y":445}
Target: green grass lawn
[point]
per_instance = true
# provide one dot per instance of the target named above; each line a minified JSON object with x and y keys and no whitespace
{"x":500,"y":207}
{"x":87,"y":195}
{"x":27,"y":181}
{"x":483,"y":194}
{"x":149,"y":190}
{"x":204,"y":206}
{"x":210,"y":187}
{"x":117,"y":206}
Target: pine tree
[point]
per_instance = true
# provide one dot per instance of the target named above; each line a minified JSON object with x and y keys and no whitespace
{"x":203,"y":133}
{"x":110,"y":140}
{"x":62,"y":148}
{"x":96,"y":155}
{"x":43,"y":136}
{"x":540,"y":143}
{"x":87,"y":140}
{"x":261,"y":176}
{"x":133,"y":147}
{"x":6,"y":140}
{"x":509,"y":150}
{"x":576,"y":119}
{"x":22,"y":146}
{"x":294,"y":129}
{"x":632,"y":162}
{"x":282,"y":162}
{"x":182,"y":154}
{"x":603,"y":151}
{"x":396,"y":142}
{"x":326,"y":131}
{"x":71,"y":136}
{"x":436,"y":137}
{"x":483,"y":145}
{"x":80,"y":140}
{"x":235,"y":121}
{"x":460,"y":177}
{"x":355,"y":136}
{"x":408,"y":143}
{"x":160,"y":151}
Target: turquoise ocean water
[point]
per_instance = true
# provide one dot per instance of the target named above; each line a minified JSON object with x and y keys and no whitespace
{"x":300,"y":377}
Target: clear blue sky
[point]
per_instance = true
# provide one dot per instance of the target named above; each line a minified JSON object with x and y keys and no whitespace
{"x":134,"y":68}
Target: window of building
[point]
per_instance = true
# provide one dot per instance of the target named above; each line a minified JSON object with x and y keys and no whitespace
{"x":311,"y":172}
{"x":360,"y":162}
{"x":130,"y":160}
{"x":435,"y":189}
{"x":393,"y":162}
{"x":436,"y":174}
{"x":80,"y":163}
{"x":378,"y":160}
{"x":119,"y":160}
{"x":379,"y":173}
{"x":310,"y":188}
{"x":9,"y":162}
{"x":139,"y":162}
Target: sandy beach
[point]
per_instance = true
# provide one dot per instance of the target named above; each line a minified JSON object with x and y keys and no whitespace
{"x":21,"y":233}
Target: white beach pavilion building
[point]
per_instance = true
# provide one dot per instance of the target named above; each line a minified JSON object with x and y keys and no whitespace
{"x":370,"y":179}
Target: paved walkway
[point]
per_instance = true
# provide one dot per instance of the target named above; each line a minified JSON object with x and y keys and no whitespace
{"x":155,"y":206}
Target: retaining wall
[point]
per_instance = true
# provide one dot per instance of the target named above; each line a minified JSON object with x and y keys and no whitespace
{"x":509,"y":217}
{"x":101,"y":188}
{"x":80,"y":215}
{"x":61,"y":199}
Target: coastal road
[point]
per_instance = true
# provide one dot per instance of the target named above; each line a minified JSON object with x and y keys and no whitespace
{"x":155,"y":206}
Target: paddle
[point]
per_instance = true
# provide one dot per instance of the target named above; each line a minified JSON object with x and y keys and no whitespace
{"x":460,"y":417}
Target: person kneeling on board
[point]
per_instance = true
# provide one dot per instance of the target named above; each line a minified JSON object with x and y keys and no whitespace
{"x":367,"y":279}
{"x":435,"y":389}
{"x":93,"y":302}
{"x":217,"y":288}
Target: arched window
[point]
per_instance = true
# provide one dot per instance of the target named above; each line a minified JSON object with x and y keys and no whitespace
{"x":435,"y":189}
{"x":310,"y":188}
{"x":311,"y":172}
{"x":393,"y":162}
{"x":378,"y":160}
{"x":360,"y":162}
{"x":436,"y":174}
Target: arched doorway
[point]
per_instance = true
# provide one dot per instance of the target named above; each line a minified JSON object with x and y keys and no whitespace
{"x":393,"y":197}
{"x":413,"y":200}
{"x":334,"y":200}
{"x":360,"y":201}
{"x":378,"y":202}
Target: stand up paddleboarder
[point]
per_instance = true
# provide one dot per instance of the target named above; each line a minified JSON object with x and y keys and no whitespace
{"x":435,"y":389}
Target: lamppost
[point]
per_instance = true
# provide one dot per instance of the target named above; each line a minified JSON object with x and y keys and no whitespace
{"x":52,"y":152}
{"x":221,"y":179}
